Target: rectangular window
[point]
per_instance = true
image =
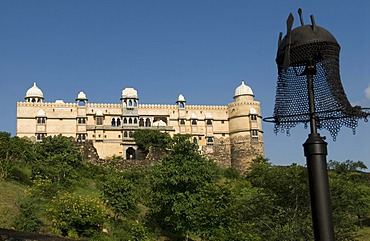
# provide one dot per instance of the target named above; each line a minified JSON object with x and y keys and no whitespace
{"x":209,"y":122}
{"x":40,"y":136}
{"x":81,"y":120}
{"x":182,"y":122}
{"x":253,"y":117}
{"x":254,"y":135}
{"x":210,"y":141}
{"x":194,"y":122}
{"x":81,"y":137}
{"x":41,"y":120}
{"x":99,"y":121}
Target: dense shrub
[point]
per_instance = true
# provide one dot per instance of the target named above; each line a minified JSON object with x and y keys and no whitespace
{"x":75,"y":214}
{"x":120,"y":195}
{"x":21,"y":174}
{"x":29,"y":217}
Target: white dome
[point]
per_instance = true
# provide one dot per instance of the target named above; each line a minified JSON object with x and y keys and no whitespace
{"x":159,"y":123}
{"x":129,"y":93}
{"x":252,"y":111}
{"x":40,"y":113}
{"x":81,"y":96}
{"x":243,"y":90}
{"x":181,"y":98}
{"x":34,"y":92}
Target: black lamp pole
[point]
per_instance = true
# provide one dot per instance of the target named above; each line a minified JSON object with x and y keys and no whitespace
{"x":315,"y":151}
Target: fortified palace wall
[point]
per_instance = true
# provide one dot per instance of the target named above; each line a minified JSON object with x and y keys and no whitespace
{"x":231,"y":135}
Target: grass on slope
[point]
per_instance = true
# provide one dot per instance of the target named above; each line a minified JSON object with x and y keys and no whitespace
{"x":363,"y":234}
{"x":10,"y":193}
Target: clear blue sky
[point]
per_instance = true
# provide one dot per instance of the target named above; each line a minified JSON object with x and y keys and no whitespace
{"x":199,"y":48}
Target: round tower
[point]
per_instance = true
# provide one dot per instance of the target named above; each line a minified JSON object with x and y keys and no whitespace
{"x":245,"y":128}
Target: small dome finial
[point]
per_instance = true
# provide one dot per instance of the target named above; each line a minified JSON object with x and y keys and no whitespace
{"x":34,"y":92}
{"x":243,"y":89}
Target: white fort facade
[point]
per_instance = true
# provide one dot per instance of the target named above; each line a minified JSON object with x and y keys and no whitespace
{"x":232,"y":134}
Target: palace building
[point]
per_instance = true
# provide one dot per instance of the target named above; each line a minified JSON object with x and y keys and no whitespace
{"x":231,"y":134}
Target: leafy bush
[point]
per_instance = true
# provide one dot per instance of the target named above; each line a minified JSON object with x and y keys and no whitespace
{"x":60,"y":160}
{"x":29,"y":217}
{"x":120,"y":195}
{"x":75,"y":214}
{"x":21,"y":174}
{"x":123,"y":230}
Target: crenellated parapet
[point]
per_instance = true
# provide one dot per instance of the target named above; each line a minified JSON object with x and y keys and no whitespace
{"x":206,"y":107}
{"x":46,"y":104}
{"x":157,"y":106}
{"x":103,"y":105}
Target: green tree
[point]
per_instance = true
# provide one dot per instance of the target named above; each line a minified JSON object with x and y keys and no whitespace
{"x":225,"y":211}
{"x":75,"y":215}
{"x":120,"y":195}
{"x":60,"y":160}
{"x":145,"y":139}
{"x":347,"y":166}
{"x":350,"y":192}
{"x":15,"y":152}
{"x":175,"y":185}
{"x":289,"y":192}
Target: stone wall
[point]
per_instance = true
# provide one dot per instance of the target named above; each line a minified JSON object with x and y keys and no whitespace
{"x":219,"y":153}
{"x":89,"y":152}
{"x":242,"y":154}
{"x":236,"y":154}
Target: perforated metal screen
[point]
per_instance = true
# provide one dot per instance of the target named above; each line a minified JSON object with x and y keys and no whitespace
{"x":332,"y":108}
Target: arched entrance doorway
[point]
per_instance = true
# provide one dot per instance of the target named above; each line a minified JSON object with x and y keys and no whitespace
{"x":130,"y":154}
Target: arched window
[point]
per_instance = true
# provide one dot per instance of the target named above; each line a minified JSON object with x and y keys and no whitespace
{"x":81,"y":103}
{"x":209,"y":122}
{"x":113,"y":122}
{"x":125,"y":120}
{"x":209,"y":141}
{"x":141,"y":122}
{"x":195,"y":140}
{"x":135,"y":103}
{"x":135,"y":121}
{"x":118,"y":122}
{"x":147,"y":122}
{"x":125,"y":134}
{"x":194,"y":122}
{"x":181,"y":105}
{"x":130,"y":120}
{"x":130,"y":103}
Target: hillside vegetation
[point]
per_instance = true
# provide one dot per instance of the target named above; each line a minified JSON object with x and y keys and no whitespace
{"x":47,"y":188}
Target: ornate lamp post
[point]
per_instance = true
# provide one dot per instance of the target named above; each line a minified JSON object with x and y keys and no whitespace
{"x":309,"y":91}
